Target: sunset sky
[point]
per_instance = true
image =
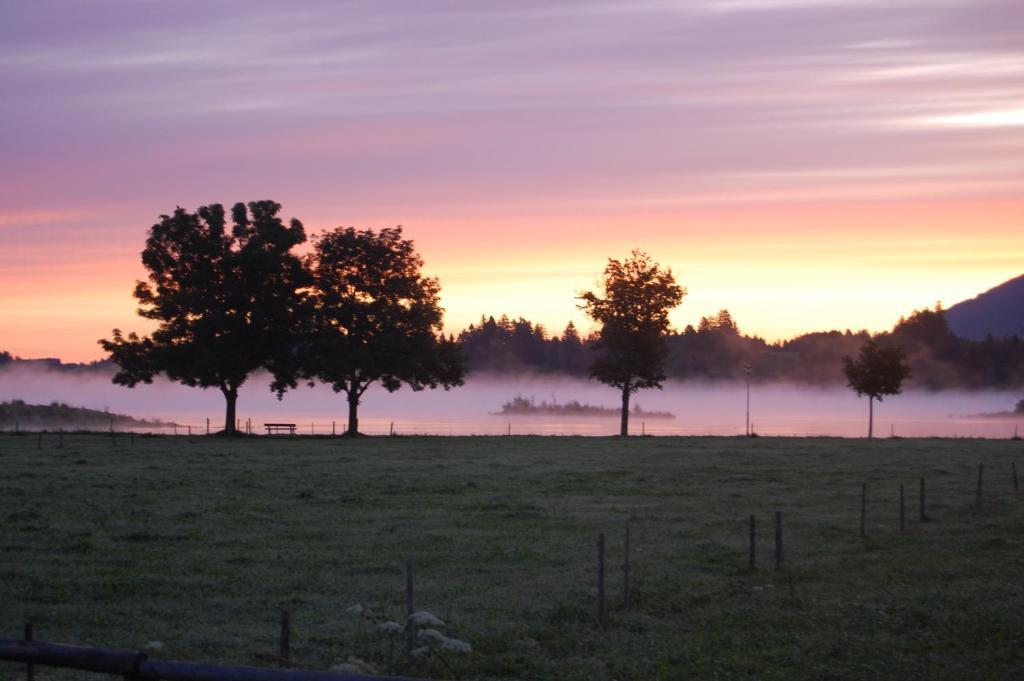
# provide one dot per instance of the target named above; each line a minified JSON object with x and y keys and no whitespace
{"x":807,"y":164}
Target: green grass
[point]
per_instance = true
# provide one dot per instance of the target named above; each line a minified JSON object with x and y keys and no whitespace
{"x":198,"y":543}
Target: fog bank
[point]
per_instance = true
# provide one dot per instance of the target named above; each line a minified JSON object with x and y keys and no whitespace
{"x":700,"y":409}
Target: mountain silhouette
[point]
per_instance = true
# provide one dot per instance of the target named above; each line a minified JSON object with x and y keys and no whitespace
{"x":998,"y":311}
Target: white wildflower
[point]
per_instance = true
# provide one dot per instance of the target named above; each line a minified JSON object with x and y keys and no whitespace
{"x":421,"y":651}
{"x":457,"y":646}
{"x":356,"y":609}
{"x":153,"y":646}
{"x":355,"y":666}
{"x":425,"y":619}
{"x":434,"y":636}
{"x":390,"y":627}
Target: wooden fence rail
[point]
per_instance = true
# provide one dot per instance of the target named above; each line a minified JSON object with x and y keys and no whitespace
{"x":135,"y":665}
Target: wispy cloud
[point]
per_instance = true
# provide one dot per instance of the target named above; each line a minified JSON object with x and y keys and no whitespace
{"x":542,"y":111}
{"x":976,"y":119}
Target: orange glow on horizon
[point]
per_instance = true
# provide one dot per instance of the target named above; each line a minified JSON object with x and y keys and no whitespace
{"x":790,"y":270}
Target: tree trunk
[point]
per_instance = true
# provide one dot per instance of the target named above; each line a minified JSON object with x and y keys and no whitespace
{"x":624,"y":426}
{"x":871,"y":416}
{"x":353,"y":413}
{"x":231,"y":397}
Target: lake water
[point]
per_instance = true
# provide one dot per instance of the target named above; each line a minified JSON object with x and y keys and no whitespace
{"x":700,"y":409}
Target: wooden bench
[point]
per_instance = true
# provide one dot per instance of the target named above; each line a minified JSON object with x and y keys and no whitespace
{"x":280,"y":428}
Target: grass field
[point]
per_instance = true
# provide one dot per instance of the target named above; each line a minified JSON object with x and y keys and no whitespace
{"x":198,"y":544}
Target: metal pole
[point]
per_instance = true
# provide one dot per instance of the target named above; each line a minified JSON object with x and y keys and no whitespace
{"x":286,"y":636}
{"x":747,"y":367}
{"x":600,"y":579}
{"x":135,"y":665}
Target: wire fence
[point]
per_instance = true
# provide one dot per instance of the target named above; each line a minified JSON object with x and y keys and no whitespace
{"x":496,"y":426}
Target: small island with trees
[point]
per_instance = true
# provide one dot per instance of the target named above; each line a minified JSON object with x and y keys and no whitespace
{"x":524,"y":406}
{"x":18,"y":414}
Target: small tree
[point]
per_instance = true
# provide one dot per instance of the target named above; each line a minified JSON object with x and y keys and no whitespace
{"x":226,"y":299}
{"x":632,"y":307}
{"x":877,"y":371}
{"x":376,"y":319}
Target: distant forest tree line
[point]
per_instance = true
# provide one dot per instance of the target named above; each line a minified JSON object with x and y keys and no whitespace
{"x":717,"y":350}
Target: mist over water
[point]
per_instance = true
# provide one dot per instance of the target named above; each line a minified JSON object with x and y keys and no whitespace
{"x":700,"y":408}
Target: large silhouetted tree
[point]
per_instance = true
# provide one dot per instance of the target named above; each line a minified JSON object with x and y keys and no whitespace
{"x":226,"y":298}
{"x":877,"y":371}
{"x":632,"y":308}
{"x":376,"y":318}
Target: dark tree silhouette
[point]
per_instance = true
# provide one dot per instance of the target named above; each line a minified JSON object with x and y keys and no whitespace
{"x":376,"y":318}
{"x":225,"y":298}
{"x":877,"y":371}
{"x":632,"y":308}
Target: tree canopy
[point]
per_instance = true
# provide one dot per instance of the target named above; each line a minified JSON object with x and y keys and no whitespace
{"x":876,"y":372}
{"x":375,"y":318}
{"x":227,"y":298}
{"x":632,"y":308}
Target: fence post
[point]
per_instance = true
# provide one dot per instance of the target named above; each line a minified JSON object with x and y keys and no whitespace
{"x":410,"y":608}
{"x":977,"y":495}
{"x":391,"y":430}
{"x":778,"y":540}
{"x":286,"y":637}
{"x":921,"y":513}
{"x":752,"y":563}
{"x":30,"y":669}
{"x":600,"y":579}
{"x":207,"y":425}
{"x":189,"y":431}
{"x":863,"y":508}
{"x":902,"y":512}
{"x":625,"y":570}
